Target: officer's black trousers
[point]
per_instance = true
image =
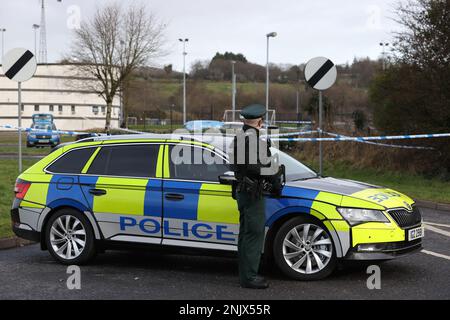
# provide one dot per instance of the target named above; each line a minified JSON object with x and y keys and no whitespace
{"x":251,"y":235}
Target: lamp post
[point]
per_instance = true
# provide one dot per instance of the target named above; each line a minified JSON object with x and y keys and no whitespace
{"x":233,"y":90}
{"x":184,"y":77}
{"x":3,"y":30}
{"x":35,"y":27}
{"x":269,"y":35}
{"x":383,"y":55}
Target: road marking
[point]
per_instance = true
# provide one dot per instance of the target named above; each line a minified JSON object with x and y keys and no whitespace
{"x":437,"y":224}
{"x":437,"y":230}
{"x":436,"y":254}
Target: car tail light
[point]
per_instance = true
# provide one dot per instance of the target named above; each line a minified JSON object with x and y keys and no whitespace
{"x":21,"y":188}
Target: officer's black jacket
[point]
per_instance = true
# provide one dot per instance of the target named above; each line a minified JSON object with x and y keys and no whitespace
{"x":248,"y":140}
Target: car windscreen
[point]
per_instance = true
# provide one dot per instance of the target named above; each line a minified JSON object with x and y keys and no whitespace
{"x":42,"y":127}
{"x":295,"y":170}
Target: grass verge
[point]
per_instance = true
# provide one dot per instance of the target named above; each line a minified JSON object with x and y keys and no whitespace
{"x":8,"y":176}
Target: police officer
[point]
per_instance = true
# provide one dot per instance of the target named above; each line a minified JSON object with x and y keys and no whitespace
{"x":251,"y":162}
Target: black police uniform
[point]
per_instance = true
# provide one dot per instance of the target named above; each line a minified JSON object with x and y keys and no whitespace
{"x":248,"y":192}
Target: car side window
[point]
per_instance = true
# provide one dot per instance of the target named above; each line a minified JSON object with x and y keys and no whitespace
{"x":126,"y":160}
{"x":194,"y":163}
{"x":72,"y":161}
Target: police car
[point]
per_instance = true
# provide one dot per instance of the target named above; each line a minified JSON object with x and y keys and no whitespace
{"x":89,"y":195}
{"x":42,"y":135}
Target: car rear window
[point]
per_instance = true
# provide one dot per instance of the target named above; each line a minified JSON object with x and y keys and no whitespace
{"x":72,"y":161}
{"x":129,"y":161}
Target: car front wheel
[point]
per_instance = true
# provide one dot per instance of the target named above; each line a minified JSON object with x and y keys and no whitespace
{"x":69,"y":237}
{"x":304,"y":250}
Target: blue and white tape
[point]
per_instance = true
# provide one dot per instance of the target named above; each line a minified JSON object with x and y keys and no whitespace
{"x":382,"y":144}
{"x":290,"y":134}
{"x":70,"y":133}
{"x":345,"y":138}
{"x":293,"y":121}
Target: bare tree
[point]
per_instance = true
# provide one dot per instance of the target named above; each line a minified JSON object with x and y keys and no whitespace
{"x":113,"y":44}
{"x":425,"y":38}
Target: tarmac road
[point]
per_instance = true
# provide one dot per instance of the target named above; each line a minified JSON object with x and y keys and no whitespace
{"x":28,"y":273}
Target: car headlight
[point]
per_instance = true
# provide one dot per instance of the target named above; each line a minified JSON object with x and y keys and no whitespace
{"x":55,"y":136}
{"x":355,"y":216}
{"x":32,"y":136}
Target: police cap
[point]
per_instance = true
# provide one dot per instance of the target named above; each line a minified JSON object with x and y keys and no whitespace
{"x":253,"y":111}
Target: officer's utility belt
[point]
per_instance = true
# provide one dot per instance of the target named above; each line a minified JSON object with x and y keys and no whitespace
{"x":265,"y":185}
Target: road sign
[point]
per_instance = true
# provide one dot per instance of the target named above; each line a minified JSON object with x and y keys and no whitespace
{"x":19,"y":64}
{"x":320,"y":73}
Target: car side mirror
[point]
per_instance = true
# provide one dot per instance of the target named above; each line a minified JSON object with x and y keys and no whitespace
{"x":227,"y":178}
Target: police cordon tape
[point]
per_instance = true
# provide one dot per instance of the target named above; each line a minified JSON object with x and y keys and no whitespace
{"x":279,"y":137}
{"x":70,"y":133}
{"x":293,"y":121}
{"x":383,"y":144}
{"x":272,"y":136}
{"x":299,"y":133}
{"x":290,"y":128}
{"x":131,"y":131}
{"x":345,"y":138}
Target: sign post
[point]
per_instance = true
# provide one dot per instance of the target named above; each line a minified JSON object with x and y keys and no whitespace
{"x":320,"y":74}
{"x":19,"y":121}
{"x":320,"y":133}
{"x":19,"y":65}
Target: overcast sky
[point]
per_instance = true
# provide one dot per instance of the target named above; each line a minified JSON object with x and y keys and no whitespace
{"x":339,"y":30}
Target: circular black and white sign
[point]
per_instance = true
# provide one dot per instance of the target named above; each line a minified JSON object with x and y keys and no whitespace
{"x":320,"y":73}
{"x":19,"y":64}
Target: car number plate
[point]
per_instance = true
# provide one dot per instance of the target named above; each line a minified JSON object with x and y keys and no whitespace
{"x":43,"y":140}
{"x":416,"y":233}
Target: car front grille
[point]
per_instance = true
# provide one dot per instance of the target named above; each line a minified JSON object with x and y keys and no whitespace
{"x":405,"y":218}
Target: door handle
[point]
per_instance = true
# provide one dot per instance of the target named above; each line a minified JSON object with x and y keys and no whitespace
{"x":97,"y":192}
{"x":174,"y":196}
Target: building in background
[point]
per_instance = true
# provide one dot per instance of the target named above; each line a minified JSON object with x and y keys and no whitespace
{"x":57,"y":89}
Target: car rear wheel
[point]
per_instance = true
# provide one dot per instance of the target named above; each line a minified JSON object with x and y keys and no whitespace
{"x":304,"y":250}
{"x":69,"y":237}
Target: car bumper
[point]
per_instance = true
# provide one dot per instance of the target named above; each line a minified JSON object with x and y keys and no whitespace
{"x":383,"y":251}
{"x":39,"y":142}
{"x":23,"y":230}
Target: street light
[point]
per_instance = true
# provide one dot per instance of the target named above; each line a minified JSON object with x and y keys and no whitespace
{"x":233,"y":90}
{"x":184,"y":77}
{"x":271,"y":34}
{"x":35,"y":27}
{"x":383,"y":55}
{"x":3,"y":30}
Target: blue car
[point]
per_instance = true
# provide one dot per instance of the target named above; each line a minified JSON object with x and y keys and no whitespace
{"x":41,"y":135}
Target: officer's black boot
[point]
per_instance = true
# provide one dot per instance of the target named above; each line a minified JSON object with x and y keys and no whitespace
{"x":257,"y":283}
